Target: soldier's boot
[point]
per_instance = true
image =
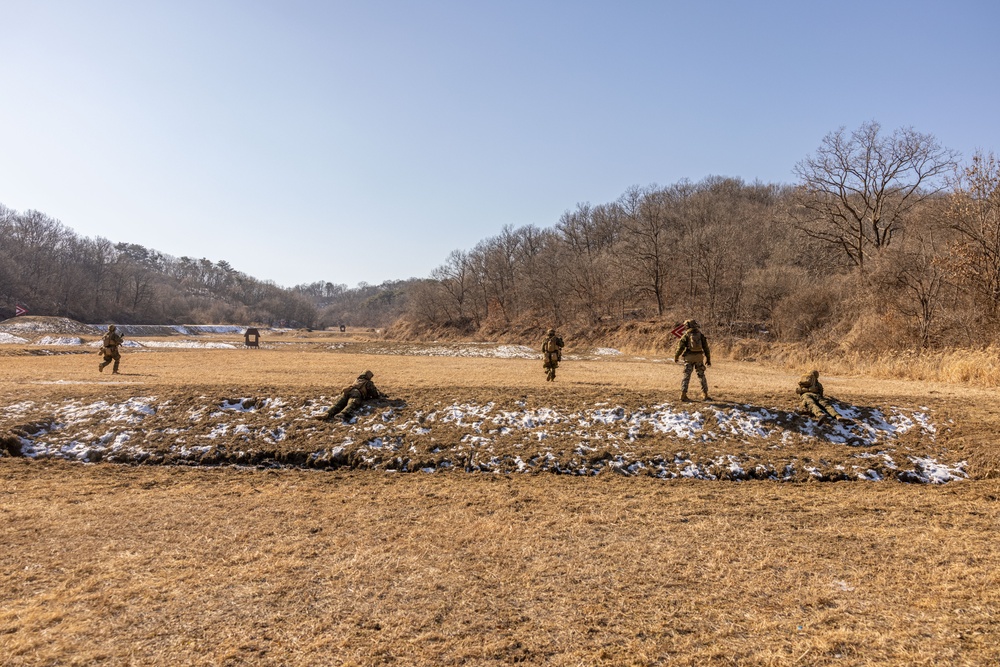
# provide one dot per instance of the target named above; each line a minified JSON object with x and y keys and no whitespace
{"x":705,"y":396}
{"x":823,"y":419}
{"x":684,"y":397}
{"x":100,"y":367}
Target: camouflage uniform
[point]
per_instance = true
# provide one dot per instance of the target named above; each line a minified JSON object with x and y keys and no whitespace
{"x":109,"y":349}
{"x":551,"y":354}
{"x":351,"y":397}
{"x":813,"y":400}
{"x":693,"y":346}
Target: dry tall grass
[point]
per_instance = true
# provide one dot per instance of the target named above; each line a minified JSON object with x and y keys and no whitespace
{"x":973,"y":367}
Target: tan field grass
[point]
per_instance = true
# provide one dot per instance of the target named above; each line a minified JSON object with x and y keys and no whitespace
{"x":162,"y":565}
{"x":119,"y":565}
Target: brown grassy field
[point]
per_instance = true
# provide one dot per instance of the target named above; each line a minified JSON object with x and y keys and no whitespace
{"x":362,"y":562}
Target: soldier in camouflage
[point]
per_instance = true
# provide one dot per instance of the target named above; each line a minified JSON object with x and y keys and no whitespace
{"x":813,"y":400}
{"x":353,"y":396}
{"x":693,"y":346}
{"x":551,"y":354}
{"x":109,"y":349}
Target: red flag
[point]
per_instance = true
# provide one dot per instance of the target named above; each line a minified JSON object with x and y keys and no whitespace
{"x":19,"y":310}
{"x":678,"y":331}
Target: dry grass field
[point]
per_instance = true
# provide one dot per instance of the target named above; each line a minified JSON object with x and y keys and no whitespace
{"x":483,"y":516}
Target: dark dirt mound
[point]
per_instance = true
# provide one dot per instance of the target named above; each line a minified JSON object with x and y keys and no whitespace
{"x":493,"y":433}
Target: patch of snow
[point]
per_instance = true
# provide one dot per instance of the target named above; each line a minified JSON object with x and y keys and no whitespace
{"x":204,"y":345}
{"x":59,"y":340}
{"x":6,"y":338}
{"x":929,"y":471}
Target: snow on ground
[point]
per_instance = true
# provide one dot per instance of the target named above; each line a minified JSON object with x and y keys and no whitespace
{"x":11,"y":338}
{"x":59,"y":340}
{"x":481,"y":438}
{"x":189,"y":344}
{"x":607,"y":352}
{"x":128,"y":343}
{"x":171,"y":329}
{"x":463,"y":350}
{"x":200,"y":344}
{"x":45,"y":325}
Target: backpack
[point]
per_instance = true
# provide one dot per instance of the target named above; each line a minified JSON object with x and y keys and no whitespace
{"x":695,"y":342}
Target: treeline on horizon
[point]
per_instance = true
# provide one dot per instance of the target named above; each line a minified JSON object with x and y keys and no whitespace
{"x":887,"y":241}
{"x":50,"y":270}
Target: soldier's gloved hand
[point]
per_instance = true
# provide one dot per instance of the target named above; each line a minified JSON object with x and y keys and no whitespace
{"x":708,"y":363}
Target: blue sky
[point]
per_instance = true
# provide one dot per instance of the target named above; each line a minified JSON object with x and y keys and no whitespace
{"x":363,"y":141}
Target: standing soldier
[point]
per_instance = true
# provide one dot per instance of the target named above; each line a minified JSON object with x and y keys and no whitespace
{"x":813,"y":400}
{"x":109,"y":349}
{"x":693,"y":346}
{"x":352,"y":396}
{"x":551,"y":354}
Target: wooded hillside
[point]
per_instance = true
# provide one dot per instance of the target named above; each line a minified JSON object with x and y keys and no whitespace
{"x":886,"y":242}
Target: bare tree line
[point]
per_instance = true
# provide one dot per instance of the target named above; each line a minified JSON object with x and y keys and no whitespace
{"x":886,"y":241}
{"x":51,"y":270}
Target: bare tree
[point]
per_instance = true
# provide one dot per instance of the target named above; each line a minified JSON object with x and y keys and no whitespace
{"x":645,"y":215}
{"x":913,"y":281}
{"x":975,"y":214}
{"x":455,"y":278}
{"x":588,"y":236}
{"x":858,"y":189}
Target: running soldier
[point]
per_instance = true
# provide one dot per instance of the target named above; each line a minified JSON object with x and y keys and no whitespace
{"x":813,"y":400}
{"x":353,"y":396}
{"x":693,"y":346}
{"x":551,"y":354}
{"x":109,"y":349}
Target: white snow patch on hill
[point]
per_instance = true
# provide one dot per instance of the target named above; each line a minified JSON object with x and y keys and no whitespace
{"x":189,"y":344}
{"x":59,"y":340}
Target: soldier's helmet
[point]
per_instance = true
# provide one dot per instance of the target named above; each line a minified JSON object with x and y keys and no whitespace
{"x":691,"y":324}
{"x":814,"y":374}
{"x":111,"y":327}
{"x":368,"y":375}
{"x":550,"y":332}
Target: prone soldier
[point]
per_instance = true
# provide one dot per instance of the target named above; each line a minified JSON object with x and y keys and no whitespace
{"x":813,"y":400}
{"x":353,"y":396}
